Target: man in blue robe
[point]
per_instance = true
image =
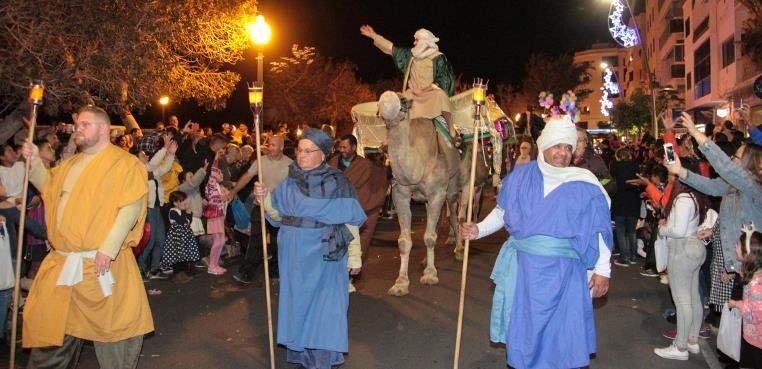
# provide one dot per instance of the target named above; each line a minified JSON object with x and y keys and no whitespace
{"x":560,"y":232}
{"x":319,"y":216}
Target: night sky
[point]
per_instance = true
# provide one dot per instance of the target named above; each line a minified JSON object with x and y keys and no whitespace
{"x":489,"y":39}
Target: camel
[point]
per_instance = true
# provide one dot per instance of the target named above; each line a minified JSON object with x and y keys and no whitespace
{"x":483,"y":177}
{"x":425,"y":167}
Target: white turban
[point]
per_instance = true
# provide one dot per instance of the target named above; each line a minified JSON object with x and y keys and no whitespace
{"x":558,"y":130}
{"x":561,"y":130}
{"x":427,"y":44}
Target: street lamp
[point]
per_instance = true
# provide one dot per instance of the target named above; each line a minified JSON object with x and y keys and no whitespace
{"x":163,"y":101}
{"x":260,"y":33}
{"x":656,"y":90}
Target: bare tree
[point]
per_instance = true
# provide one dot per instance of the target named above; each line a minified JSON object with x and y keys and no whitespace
{"x":555,"y":75}
{"x":120,"y":55}
{"x":307,"y":89}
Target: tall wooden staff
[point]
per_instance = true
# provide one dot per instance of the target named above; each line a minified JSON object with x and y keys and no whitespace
{"x":36,"y":91}
{"x":255,"y":103}
{"x":479,"y":91}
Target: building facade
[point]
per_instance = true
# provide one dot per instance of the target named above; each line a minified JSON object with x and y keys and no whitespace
{"x":598,"y":56}
{"x":719,"y":77}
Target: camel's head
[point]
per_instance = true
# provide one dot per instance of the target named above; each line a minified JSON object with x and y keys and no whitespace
{"x":393,"y":107}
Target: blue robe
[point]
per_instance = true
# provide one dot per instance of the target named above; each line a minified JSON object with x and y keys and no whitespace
{"x":545,"y":312}
{"x":314,"y":292}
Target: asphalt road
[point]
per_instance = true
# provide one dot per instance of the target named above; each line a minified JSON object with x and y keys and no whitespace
{"x":212,"y":322}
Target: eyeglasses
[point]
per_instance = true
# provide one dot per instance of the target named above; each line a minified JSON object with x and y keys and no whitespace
{"x":305,"y":151}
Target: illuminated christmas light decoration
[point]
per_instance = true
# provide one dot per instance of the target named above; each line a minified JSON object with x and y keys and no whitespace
{"x":621,"y":32}
{"x":610,"y":87}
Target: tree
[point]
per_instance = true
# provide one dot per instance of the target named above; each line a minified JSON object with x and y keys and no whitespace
{"x":307,"y":89}
{"x":120,"y":55}
{"x":632,"y":113}
{"x":751,"y":39}
{"x":555,"y":75}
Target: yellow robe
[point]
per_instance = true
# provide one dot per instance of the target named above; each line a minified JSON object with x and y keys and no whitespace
{"x":113,"y":179}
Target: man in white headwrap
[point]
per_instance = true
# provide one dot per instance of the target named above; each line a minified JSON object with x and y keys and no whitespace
{"x":555,"y":260}
{"x":428,"y":77}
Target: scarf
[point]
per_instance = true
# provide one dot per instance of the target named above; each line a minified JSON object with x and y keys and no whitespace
{"x":323,"y":182}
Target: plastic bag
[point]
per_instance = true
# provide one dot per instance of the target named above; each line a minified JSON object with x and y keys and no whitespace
{"x":661,"y":253}
{"x":6,"y":265}
{"x":729,"y":335}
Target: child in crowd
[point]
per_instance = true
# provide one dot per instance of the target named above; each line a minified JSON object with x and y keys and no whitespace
{"x":214,"y":211}
{"x":749,"y":251}
{"x":180,"y":246}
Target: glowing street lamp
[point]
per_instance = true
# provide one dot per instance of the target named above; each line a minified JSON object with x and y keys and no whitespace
{"x":260,"y":33}
{"x":163,"y":101}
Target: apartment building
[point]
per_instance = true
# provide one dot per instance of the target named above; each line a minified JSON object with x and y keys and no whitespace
{"x":719,"y":77}
{"x":591,"y":114}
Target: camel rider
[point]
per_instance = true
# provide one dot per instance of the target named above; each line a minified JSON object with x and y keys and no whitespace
{"x":428,"y":77}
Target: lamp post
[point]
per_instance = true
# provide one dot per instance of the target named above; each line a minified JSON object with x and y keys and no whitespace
{"x":163,"y":101}
{"x":654,"y":91}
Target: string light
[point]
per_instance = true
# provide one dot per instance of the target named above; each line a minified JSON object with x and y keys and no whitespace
{"x":610,"y":87}
{"x":622,"y":34}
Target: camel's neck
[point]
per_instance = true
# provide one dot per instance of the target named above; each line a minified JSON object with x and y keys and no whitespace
{"x":412,"y":149}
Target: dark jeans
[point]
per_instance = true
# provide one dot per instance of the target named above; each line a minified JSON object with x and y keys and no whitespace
{"x":252,"y":261}
{"x":625,"y":235}
{"x":155,"y":248}
{"x":122,"y":354}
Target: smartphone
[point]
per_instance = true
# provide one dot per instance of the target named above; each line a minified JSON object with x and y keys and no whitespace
{"x":194,"y":127}
{"x":669,"y":153}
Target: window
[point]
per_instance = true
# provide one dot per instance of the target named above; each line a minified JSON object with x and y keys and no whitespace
{"x":679,"y":52}
{"x":702,"y":70}
{"x":612,"y":61}
{"x":631,"y":76}
{"x":677,"y":70}
{"x":688,"y":82}
{"x":687,"y":26}
{"x":701,"y":29}
{"x":728,"y":52}
{"x":675,"y":25}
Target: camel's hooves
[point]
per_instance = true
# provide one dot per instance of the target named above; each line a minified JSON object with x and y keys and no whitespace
{"x":459,"y":255}
{"x":429,"y":279}
{"x":398,"y":290}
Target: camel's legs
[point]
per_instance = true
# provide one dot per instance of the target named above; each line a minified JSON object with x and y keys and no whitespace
{"x":433,"y":210}
{"x":401,"y":197}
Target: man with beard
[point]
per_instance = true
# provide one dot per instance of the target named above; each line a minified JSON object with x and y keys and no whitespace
{"x":555,"y":260}
{"x":369,"y":181}
{"x":428,"y":76}
{"x":89,"y":287}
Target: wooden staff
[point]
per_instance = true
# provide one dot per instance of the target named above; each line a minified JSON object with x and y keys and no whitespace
{"x":478,"y":101}
{"x":255,"y":102}
{"x":36,"y":91}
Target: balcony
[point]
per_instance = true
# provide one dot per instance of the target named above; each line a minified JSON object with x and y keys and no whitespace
{"x":702,"y":88}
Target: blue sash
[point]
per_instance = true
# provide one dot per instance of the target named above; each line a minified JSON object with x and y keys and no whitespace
{"x":505,"y":273}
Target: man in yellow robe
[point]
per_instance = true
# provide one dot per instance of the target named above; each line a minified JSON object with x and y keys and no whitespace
{"x":90,"y":287}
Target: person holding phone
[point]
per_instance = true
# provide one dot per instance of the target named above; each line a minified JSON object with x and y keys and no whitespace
{"x":739,"y":183}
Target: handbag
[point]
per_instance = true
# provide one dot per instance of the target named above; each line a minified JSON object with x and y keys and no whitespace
{"x":240,"y":215}
{"x":6,"y":264}
{"x":729,"y":336}
{"x":661,"y":253}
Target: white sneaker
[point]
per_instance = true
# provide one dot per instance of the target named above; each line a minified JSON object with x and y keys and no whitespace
{"x":351,"y":287}
{"x":671,"y":352}
{"x":694,"y":348}
{"x":664,"y":279}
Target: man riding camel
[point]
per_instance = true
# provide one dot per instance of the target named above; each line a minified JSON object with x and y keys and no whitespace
{"x":428,"y":77}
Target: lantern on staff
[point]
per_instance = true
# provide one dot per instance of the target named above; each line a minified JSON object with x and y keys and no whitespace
{"x":36,"y":92}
